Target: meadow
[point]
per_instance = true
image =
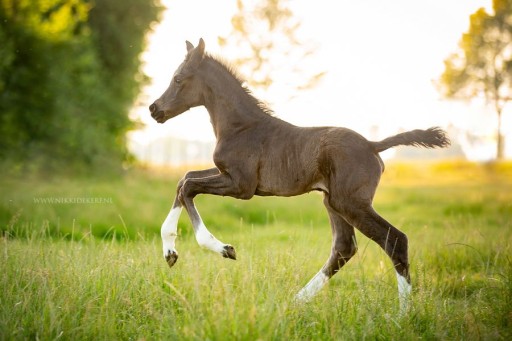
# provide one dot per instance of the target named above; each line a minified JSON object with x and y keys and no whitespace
{"x":81,"y":259}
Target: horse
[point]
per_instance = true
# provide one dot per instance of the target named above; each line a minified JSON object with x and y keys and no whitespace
{"x":257,"y":153}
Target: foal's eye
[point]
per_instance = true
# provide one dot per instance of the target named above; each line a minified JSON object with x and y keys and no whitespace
{"x":177,"y":80}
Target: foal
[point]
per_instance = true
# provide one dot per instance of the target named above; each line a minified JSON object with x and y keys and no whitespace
{"x":258,"y":154}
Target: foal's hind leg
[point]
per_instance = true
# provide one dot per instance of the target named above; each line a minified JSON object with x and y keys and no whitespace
{"x":343,"y":248}
{"x":391,"y":240}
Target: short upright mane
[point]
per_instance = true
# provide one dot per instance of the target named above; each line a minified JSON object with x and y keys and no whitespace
{"x":225,"y":66}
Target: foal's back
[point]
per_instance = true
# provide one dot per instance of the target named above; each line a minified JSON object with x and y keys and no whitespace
{"x":296,"y":160}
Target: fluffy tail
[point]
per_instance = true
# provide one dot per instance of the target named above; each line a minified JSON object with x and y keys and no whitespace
{"x":430,"y":138}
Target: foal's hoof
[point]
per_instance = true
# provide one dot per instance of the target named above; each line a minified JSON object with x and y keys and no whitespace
{"x":229,"y":252}
{"x":171,"y":257}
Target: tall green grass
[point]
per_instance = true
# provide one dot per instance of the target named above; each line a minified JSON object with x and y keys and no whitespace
{"x":64,"y":276}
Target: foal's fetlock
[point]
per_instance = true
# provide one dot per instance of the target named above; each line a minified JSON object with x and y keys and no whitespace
{"x":171,"y":257}
{"x":229,"y":252}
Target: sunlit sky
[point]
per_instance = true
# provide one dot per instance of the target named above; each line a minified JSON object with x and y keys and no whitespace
{"x":381,"y":59}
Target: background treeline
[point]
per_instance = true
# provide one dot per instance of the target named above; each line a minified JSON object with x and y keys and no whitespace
{"x":69,"y":72}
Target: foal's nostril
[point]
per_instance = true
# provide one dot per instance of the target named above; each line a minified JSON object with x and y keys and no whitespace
{"x":152,"y":108}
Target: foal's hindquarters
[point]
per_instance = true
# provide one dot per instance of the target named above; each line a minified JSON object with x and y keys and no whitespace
{"x":354,"y":170}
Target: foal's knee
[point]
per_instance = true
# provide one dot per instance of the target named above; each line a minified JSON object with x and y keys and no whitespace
{"x":188,"y":175}
{"x":180,"y":184}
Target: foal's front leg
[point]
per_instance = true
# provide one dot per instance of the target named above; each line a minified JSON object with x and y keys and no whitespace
{"x":205,"y":238}
{"x":169,"y":230}
{"x":220,"y":184}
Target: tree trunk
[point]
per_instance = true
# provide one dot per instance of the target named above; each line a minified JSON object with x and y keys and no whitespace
{"x":500,"y":148}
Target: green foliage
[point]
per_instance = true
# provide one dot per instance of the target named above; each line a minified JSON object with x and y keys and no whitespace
{"x":61,"y":105}
{"x":457,"y":217}
{"x":482,"y":67}
{"x":118,"y":29}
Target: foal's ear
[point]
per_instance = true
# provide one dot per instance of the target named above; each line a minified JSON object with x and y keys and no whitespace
{"x":195,"y":55}
{"x":190,"y":47}
{"x":201,"y":45}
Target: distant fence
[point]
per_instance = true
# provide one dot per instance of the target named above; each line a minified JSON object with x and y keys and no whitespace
{"x":172,"y":152}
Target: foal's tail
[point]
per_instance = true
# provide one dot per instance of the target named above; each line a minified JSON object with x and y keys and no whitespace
{"x":430,"y":138}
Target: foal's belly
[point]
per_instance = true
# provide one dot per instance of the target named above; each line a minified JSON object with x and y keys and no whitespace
{"x":287,"y":181}
{"x":289,"y":163}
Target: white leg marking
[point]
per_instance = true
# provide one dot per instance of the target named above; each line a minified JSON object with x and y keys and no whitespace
{"x":206,"y":240}
{"x":314,"y":285}
{"x":404,"y":291}
{"x":169,"y":231}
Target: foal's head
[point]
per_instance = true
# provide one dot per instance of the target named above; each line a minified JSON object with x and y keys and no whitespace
{"x":185,"y":90}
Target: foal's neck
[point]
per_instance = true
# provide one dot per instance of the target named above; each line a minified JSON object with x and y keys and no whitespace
{"x":230,"y":106}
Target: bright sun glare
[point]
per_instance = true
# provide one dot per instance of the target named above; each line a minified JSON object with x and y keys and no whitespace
{"x":381,"y":58}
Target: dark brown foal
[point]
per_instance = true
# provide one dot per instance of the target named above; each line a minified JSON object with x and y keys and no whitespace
{"x":259,"y":154}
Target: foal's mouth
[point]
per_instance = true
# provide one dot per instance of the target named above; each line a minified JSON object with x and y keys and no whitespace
{"x":160,"y":116}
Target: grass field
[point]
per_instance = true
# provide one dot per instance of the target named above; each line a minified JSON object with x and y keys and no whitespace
{"x":81,"y":259}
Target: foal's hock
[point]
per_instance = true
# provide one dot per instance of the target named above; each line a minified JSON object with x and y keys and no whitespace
{"x":259,"y":154}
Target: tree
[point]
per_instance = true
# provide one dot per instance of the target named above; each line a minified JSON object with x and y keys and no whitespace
{"x":482,"y":67}
{"x":118,"y":29}
{"x":64,"y":101}
{"x":264,"y":36}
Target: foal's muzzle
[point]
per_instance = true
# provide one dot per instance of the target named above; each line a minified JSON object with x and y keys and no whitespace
{"x":158,"y":115}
